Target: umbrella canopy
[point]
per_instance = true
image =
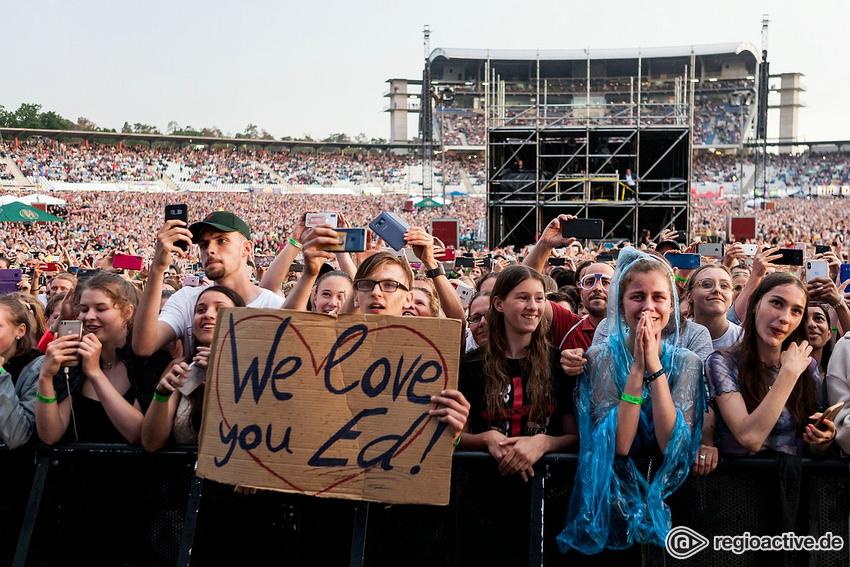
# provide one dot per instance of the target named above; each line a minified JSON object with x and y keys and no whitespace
{"x":427,"y":203}
{"x":19,"y":212}
{"x":458,"y":194}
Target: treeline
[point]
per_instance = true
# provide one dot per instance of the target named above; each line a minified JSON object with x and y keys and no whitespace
{"x":30,"y":115}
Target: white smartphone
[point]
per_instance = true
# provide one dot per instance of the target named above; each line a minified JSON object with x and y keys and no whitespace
{"x":750,"y":249}
{"x":816,"y":269}
{"x":316,"y":219}
{"x":194,"y":379}
{"x":465,"y":293}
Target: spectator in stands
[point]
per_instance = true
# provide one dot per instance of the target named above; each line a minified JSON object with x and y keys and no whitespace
{"x":19,"y":363}
{"x":640,"y":395}
{"x":516,"y":368}
{"x":225,"y":245}
{"x":110,"y":387}
{"x":178,"y":416}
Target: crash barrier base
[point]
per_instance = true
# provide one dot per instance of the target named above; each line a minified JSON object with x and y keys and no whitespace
{"x":118,"y":505}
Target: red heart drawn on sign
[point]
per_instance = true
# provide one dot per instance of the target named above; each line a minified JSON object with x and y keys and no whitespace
{"x":317,"y":367}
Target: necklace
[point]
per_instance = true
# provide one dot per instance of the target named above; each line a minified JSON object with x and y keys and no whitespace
{"x":108,"y":365}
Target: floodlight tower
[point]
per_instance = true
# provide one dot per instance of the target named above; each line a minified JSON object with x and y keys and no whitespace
{"x":761,"y":119}
{"x":426,"y":121}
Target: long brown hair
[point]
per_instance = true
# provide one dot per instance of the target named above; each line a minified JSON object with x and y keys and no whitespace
{"x":752,"y":379}
{"x":535,"y":365}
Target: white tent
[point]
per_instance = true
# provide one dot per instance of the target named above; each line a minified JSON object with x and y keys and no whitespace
{"x":42,"y":199}
{"x":6,"y":199}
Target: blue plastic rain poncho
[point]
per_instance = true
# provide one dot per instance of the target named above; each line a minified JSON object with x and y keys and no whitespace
{"x":612,"y":504}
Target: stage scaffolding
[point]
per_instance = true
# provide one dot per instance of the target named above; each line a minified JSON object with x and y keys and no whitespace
{"x":564,"y":145}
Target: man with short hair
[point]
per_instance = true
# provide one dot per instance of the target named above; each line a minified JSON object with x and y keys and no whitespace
{"x":225,"y":245}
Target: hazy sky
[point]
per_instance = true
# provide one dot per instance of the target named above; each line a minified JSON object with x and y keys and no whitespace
{"x":319,"y":67}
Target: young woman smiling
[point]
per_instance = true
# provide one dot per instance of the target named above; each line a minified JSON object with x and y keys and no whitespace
{"x":111,"y":386}
{"x":521,"y":400}
{"x":177,"y":415}
{"x":640,"y":395}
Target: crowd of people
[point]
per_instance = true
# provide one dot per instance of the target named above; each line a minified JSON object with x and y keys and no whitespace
{"x":617,"y":359}
{"x":801,"y":171}
{"x":210,"y":167}
{"x":213,"y":167}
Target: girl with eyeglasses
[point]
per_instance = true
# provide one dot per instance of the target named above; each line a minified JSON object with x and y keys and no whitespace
{"x":709,"y":295}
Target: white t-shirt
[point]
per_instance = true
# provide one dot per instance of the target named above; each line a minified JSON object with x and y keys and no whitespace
{"x":179,"y":310}
{"x":731,"y":337}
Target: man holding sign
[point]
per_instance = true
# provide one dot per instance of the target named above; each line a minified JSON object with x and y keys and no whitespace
{"x":352,"y":406}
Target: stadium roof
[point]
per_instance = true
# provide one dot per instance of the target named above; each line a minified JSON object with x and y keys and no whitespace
{"x":582,"y":54}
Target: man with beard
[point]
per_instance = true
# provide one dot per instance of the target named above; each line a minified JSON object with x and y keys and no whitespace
{"x":225,"y":245}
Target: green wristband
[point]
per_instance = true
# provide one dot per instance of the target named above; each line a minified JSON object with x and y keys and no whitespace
{"x":631,"y":399}
{"x":44,"y":400}
{"x":457,"y":441}
{"x":680,"y":279}
{"x":161,"y":397}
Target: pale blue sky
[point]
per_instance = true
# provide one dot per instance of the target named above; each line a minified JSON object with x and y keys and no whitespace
{"x":319,"y":67}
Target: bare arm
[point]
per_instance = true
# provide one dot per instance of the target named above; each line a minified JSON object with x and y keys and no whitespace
{"x":313,"y":260}
{"x":751,"y":429}
{"x":761,"y":263}
{"x":279,"y":268}
{"x":159,"y":419}
{"x":151,"y":334}
{"x":550,"y":238}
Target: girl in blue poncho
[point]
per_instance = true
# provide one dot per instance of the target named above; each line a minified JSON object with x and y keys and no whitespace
{"x":639,"y":395}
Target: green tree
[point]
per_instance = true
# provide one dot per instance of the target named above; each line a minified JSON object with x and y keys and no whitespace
{"x":126,"y":128}
{"x":27,"y":116}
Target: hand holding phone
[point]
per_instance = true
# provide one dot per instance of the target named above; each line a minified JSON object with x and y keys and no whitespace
{"x":178,"y":212}
{"x":829,"y":413}
{"x":70,"y":328}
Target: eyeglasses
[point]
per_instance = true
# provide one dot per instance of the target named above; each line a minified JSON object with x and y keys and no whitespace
{"x":387,"y":286}
{"x":475,"y":319}
{"x":589,"y":280}
{"x":709,"y":285}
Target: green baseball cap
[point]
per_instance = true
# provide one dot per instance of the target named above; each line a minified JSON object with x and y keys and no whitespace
{"x":223,"y":221}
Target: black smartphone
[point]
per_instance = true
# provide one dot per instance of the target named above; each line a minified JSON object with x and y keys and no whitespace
{"x":349,"y":240}
{"x":582,"y":228}
{"x":557,"y":261}
{"x":464,"y":262}
{"x":178,"y":212}
{"x":790,"y":257}
{"x":822,"y":249}
{"x":83,"y":274}
{"x":296,"y":267}
{"x":606,"y":257}
{"x":486,"y":261}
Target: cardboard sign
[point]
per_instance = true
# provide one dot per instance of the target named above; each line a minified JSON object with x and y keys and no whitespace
{"x":320,"y":405}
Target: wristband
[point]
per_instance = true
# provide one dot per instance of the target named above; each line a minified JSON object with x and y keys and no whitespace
{"x":161,"y":397}
{"x":631,"y":399}
{"x":44,"y":400}
{"x":457,"y":441}
{"x":295,"y":243}
{"x":680,"y":279}
{"x":840,"y":303}
{"x":650,"y":377}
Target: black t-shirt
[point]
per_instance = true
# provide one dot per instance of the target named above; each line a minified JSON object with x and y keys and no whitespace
{"x":512,"y":419}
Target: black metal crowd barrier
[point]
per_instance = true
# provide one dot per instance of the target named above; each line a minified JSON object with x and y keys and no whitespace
{"x":118,"y":505}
